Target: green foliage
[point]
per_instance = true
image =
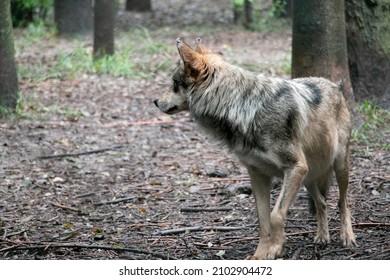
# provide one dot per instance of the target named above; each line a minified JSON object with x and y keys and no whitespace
{"x":33,"y":4}
{"x":278,"y":8}
{"x":375,"y":131}
{"x":38,"y":30}
{"x":265,"y":17}
{"x":270,"y":19}
{"x":25,"y":12}
{"x":239,"y":4}
{"x":269,"y":23}
{"x":4,"y":112}
{"x":19,"y":111}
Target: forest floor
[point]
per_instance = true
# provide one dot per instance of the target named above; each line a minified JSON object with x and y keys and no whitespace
{"x":91,"y":169}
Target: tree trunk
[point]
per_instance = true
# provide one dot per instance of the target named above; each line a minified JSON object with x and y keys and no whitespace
{"x":319,"y":45}
{"x":104,"y":21}
{"x":237,"y":11}
{"x":139,"y":5}
{"x":248,"y":9}
{"x":368,"y":37}
{"x":73,"y":17}
{"x":243,"y":12}
{"x":8,"y":75}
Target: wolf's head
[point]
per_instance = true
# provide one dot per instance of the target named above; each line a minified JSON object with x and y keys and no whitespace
{"x":192,"y":73}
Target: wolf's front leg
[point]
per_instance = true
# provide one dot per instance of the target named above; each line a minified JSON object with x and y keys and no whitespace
{"x":261,"y":186}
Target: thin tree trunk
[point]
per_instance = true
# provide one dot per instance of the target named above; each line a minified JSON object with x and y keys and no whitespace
{"x":248,"y":9}
{"x":73,"y":17}
{"x":319,"y":45}
{"x":368,"y":37}
{"x":104,"y":21}
{"x":8,"y":74}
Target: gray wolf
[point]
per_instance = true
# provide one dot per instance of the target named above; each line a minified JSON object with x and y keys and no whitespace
{"x":298,"y":130}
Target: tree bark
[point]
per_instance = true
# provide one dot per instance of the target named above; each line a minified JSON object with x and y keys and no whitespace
{"x":73,"y":17}
{"x":8,"y":74}
{"x":104,"y":21}
{"x":319,"y":45}
{"x":368,"y":37}
{"x":139,"y":5}
{"x":248,"y":9}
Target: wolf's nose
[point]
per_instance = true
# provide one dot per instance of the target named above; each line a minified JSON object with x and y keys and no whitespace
{"x":155,"y":102}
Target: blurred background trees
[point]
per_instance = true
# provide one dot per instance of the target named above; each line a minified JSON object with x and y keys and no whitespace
{"x":104,"y":22}
{"x":25,"y":12}
{"x":139,"y":6}
{"x":330,"y":38}
{"x":8,"y":75}
{"x":319,"y":43}
{"x":368,"y":37}
{"x":73,"y":16}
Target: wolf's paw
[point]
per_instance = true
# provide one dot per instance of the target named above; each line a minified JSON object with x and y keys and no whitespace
{"x":347,"y":239}
{"x":322,"y":238}
{"x":252,"y":257}
{"x":275,"y":251}
{"x":272,"y":252}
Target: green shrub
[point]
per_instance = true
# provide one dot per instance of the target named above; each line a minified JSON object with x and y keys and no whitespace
{"x":25,"y":12}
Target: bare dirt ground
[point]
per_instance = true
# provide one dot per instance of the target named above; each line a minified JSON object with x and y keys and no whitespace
{"x":120,"y":180}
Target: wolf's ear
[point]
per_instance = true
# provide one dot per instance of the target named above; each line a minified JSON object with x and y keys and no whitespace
{"x":186,"y":53}
{"x":193,"y":61}
{"x":200,"y":48}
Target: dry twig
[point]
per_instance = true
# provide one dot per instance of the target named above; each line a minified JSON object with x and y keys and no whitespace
{"x":200,"y":209}
{"x":64,"y":207}
{"x":81,"y":153}
{"x":45,"y":246}
{"x":115,"y":200}
{"x":197,"y":228}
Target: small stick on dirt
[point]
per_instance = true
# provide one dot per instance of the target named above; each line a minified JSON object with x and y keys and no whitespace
{"x":199,"y":209}
{"x":64,"y":207}
{"x":206,"y":246}
{"x":296,"y":254}
{"x":224,"y":180}
{"x":242,"y":239}
{"x":198,"y":228}
{"x":6,"y":235}
{"x":81,"y":153}
{"x":337,"y":229}
{"x":371,"y":224}
{"x":126,"y":123}
{"x":45,"y":246}
{"x":85,"y":194}
{"x":115,"y":200}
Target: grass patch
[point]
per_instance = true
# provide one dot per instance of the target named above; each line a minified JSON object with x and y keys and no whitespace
{"x":25,"y":109}
{"x":374,"y":131}
{"x":136,"y":55}
{"x":35,"y":33}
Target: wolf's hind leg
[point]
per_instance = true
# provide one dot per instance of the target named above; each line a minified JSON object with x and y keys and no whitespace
{"x":341,"y":168}
{"x":318,"y":190}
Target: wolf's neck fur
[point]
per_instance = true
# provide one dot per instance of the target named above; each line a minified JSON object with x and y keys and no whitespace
{"x":228,"y":103}
{"x":235,"y":106}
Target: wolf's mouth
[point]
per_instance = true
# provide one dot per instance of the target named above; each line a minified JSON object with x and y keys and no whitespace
{"x":172,"y":110}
